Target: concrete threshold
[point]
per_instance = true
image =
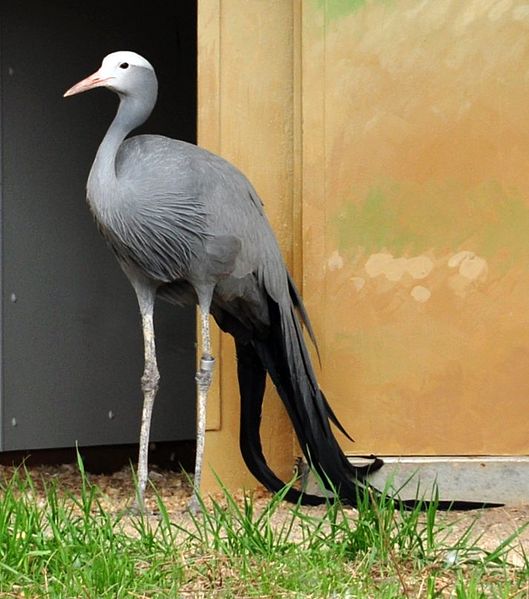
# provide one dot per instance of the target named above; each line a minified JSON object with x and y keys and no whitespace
{"x":487,"y":479}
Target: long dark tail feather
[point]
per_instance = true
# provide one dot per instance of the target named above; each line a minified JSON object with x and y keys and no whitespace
{"x":298,"y":304}
{"x":283,"y":354}
{"x":286,"y":358}
{"x":252,"y":378}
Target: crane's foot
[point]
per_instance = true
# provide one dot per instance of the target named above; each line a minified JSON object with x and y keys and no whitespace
{"x":135,"y":510}
{"x":138,"y":505}
{"x":194,"y":506}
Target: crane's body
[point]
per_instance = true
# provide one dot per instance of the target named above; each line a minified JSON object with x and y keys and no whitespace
{"x":164,"y":222}
{"x":187,"y":226}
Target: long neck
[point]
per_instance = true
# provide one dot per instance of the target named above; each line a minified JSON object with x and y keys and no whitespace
{"x":132,"y":113}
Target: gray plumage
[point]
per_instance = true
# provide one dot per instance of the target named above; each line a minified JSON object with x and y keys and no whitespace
{"x":180,"y":212}
{"x":187,"y":226}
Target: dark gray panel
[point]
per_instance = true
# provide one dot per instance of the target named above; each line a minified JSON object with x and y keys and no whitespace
{"x":71,"y":338}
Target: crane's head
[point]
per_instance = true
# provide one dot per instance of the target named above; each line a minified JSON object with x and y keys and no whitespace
{"x":125,"y":73}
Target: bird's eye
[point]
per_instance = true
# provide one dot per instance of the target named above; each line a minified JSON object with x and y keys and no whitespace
{"x":124,"y":65}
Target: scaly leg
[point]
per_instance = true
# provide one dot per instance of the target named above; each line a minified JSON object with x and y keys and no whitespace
{"x":149,"y":385}
{"x":203,"y":378}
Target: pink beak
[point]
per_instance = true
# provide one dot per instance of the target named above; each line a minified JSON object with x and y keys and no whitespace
{"x":90,"y":82}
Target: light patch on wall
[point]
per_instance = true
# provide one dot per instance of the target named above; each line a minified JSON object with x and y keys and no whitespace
{"x":455,"y":260}
{"x":499,"y":9}
{"x":358,"y":282}
{"x":335,"y":261}
{"x":470,"y":266}
{"x":385,"y":264}
{"x":420,"y":294}
{"x":418,"y":267}
{"x":470,"y":270}
{"x":521,"y":13}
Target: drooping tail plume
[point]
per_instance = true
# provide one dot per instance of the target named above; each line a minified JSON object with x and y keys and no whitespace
{"x":282,"y":353}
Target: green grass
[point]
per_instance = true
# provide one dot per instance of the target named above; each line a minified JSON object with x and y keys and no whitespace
{"x":55,"y":544}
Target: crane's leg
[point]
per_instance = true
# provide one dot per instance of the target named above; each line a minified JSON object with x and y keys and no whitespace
{"x":203,"y":379}
{"x":149,"y":385}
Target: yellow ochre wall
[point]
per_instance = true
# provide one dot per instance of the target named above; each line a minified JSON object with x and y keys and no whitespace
{"x":389,"y":140}
{"x":245,"y":96}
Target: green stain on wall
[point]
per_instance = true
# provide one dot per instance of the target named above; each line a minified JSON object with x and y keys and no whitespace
{"x":507,"y":229}
{"x":335,"y":9}
{"x":409,"y":218}
{"x":373,"y":224}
